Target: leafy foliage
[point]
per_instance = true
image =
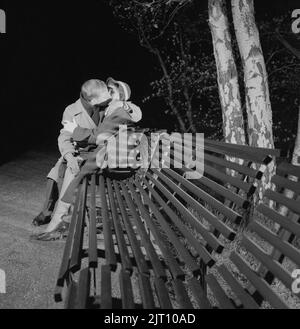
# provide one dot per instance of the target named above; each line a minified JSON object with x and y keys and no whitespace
{"x":173,"y":32}
{"x":284,"y":77}
{"x":177,"y":34}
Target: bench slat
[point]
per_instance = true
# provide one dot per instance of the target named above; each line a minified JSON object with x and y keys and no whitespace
{"x":126,"y":290}
{"x":162,"y":294}
{"x":199,"y":294}
{"x":190,"y":218}
{"x":134,"y":244}
{"x":287,"y":249}
{"x":242,"y":169}
{"x":179,"y":246}
{"x":211,"y":171}
{"x":282,"y":274}
{"x":284,"y":221}
{"x":288,"y":169}
{"x":64,"y":267}
{"x":182,"y":297}
{"x":209,"y":181}
{"x":286,"y":183}
{"x":229,"y":213}
{"x":125,"y":259}
{"x":92,"y":252}
{"x":289,"y":203}
{"x":211,"y":218}
{"x":222,"y":299}
{"x":156,"y":263}
{"x":108,"y":239}
{"x":146,"y":292}
{"x":259,"y":155}
{"x":246,"y":187}
{"x":251,"y":149}
{"x":285,"y":235}
{"x":227,"y":150}
{"x":236,"y":287}
{"x":202,"y":252}
{"x":222,"y":191}
{"x":106,"y":297}
{"x":168,"y":257}
{"x":76,"y":255}
{"x":263,"y":288}
{"x":70,"y":302}
{"x":83,"y":290}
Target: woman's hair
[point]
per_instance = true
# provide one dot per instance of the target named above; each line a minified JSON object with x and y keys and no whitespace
{"x":92,"y":89}
{"x":123,"y":88}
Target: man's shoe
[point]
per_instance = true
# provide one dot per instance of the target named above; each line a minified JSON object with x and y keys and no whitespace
{"x":41,"y":219}
{"x":60,"y":232}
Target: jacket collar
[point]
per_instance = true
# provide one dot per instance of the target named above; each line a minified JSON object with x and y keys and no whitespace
{"x":87,"y":106}
{"x":79,"y":109}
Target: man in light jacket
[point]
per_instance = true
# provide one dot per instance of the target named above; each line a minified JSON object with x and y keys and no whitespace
{"x":87,"y":112}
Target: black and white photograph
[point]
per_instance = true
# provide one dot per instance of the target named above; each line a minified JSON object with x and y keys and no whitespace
{"x":150,"y":158}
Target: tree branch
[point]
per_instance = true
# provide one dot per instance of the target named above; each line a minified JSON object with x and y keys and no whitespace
{"x":282,"y":68}
{"x":170,"y":92}
{"x":293,"y":50}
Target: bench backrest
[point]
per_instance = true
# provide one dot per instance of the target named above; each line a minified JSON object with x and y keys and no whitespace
{"x":267,"y":257}
{"x":161,"y":226}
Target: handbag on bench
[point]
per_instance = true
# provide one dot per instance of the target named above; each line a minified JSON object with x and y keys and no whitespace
{"x":122,"y":159}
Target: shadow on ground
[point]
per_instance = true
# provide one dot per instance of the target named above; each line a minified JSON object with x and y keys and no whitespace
{"x":30,"y":266}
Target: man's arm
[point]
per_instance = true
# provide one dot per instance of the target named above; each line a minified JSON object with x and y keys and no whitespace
{"x":107,"y":128}
{"x":79,"y":134}
{"x":64,"y":139}
{"x":65,"y":144}
{"x":110,"y":125}
{"x":84,"y":135}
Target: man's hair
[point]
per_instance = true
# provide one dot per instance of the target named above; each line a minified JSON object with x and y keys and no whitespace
{"x":92,"y":89}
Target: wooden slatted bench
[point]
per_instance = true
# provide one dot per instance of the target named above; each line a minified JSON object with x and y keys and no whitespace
{"x":160,"y":231}
{"x":243,"y":282}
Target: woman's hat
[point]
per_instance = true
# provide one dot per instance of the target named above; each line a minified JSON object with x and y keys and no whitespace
{"x":123,"y":88}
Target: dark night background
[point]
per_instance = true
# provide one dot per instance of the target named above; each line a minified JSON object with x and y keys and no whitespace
{"x":52,"y":47}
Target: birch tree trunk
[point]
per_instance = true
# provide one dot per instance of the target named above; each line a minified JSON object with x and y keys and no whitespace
{"x":233,"y":123}
{"x":258,"y":103}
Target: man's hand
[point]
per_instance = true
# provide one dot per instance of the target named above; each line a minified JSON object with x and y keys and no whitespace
{"x":72,"y":163}
{"x":70,"y":126}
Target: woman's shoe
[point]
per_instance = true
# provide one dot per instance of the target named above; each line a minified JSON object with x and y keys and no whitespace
{"x":59,"y":232}
{"x":41,"y":219}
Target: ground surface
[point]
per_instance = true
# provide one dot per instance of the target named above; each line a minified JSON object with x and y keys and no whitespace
{"x":30,"y":266}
